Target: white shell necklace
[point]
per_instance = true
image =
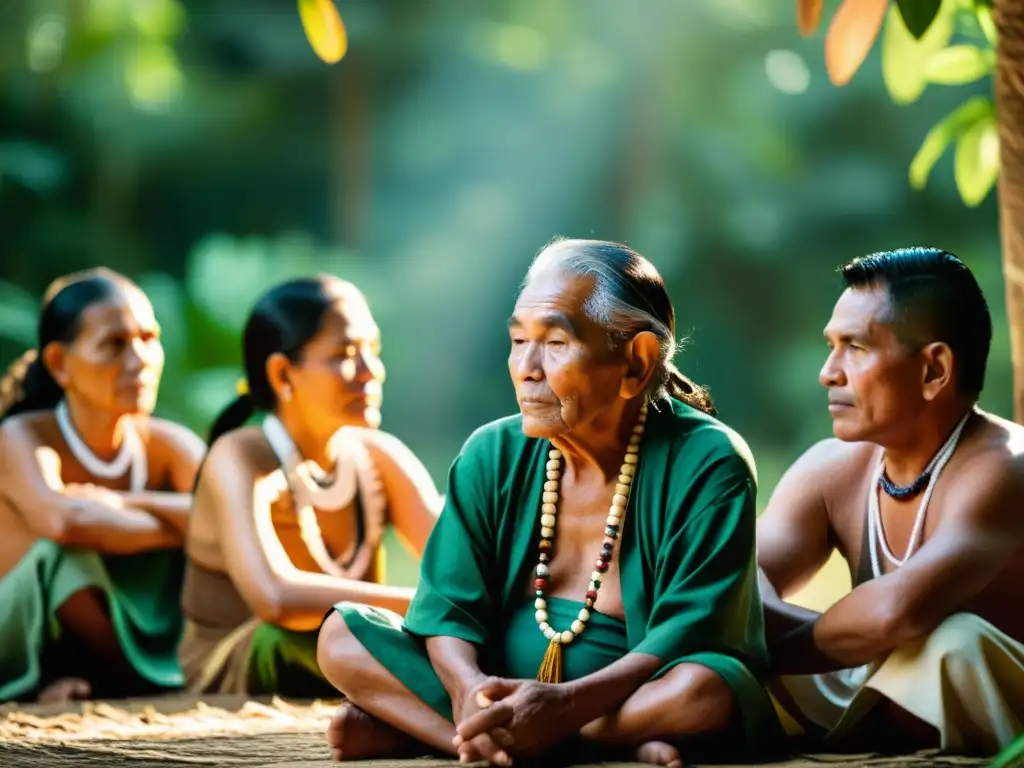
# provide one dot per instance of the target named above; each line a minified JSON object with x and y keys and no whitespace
{"x":131,"y":455}
{"x":312,"y":489}
{"x":876,"y":531}
{"x":325,"y":491}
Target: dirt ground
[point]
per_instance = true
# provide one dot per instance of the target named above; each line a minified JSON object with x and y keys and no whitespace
{"x":233,"y":731}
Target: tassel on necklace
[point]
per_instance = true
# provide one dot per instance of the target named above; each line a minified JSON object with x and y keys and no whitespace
{"x":551,"y":665}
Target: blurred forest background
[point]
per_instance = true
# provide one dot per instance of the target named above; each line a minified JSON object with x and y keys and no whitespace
{"x":200,"y":147}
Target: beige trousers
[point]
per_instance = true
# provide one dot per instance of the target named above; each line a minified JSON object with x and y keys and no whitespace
{"x":966,"y":679}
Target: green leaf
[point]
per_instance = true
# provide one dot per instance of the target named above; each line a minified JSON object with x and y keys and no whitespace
{"x":976,"y":162}
{"x":983,"y":13}
{"x":945,"y":132}
{"x":918,"y":15}
{"x":1012,"y":756}
{"x":324,"y":29}
{"x":904,"y":58}
{"x":959,"y":64}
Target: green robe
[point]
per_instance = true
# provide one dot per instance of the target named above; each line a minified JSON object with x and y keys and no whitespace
{"x":687,"y":566}
{"x":142,"y":591}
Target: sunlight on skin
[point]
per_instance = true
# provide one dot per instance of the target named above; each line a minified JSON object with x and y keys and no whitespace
{"x":827,"y":586}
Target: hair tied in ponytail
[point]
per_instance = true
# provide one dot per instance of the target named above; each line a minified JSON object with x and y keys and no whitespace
{"x":12,"y":386}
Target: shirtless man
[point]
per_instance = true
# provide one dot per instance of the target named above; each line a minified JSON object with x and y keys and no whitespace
{"x":921,"y":492}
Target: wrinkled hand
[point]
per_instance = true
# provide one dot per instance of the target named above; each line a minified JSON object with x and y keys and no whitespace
{"x":525,"y":718}
{"x":487,"y":746}
{"x":467,"y":705}
{"x":96,"y":493}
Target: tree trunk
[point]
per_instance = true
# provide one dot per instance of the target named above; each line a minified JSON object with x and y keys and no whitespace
{"x":1009,"y":17}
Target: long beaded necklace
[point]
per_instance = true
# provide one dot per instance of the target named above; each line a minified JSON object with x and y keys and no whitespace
{"x":551,"y":666}
{"x":131,"y":455}
{"x":876,"y":531}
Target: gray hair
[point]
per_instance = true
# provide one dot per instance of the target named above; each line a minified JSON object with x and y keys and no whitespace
{"x":628,"y":297}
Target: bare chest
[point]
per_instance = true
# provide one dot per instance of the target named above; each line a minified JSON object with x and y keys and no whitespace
{"x":900,"y":529}
{"x":886,"y":532}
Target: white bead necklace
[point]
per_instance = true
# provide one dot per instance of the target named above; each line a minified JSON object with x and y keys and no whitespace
{"x":334,"y":491}
{"x":131,"y":454}
{"x":551,"y":666}
{"x":876,"y":530}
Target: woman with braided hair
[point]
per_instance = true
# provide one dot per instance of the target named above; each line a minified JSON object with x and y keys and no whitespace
{"x":94,"y":500}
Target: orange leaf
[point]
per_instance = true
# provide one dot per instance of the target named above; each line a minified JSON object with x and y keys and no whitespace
{"x":850,"y":36}
{"x":324,"y":29}
{"x":808,"y":16}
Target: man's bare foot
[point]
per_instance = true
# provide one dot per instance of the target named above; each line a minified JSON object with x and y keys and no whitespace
{"x":659,"y":753}
{"x":357,"y":735}
{"x":65,"y":689}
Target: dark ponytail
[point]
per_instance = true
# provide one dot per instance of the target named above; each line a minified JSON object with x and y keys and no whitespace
{"x":237,"y":412}
{"x":27,"y":385}
{"x":682,"y":388}
{"x":283,"y":321}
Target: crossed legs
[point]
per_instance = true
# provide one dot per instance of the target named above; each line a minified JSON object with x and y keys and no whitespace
{"x":382,"y":718}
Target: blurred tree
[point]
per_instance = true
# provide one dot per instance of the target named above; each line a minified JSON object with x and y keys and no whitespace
{"x":951,"y":42}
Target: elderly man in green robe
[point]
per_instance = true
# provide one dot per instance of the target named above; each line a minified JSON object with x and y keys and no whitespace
{"x":592,"y":578}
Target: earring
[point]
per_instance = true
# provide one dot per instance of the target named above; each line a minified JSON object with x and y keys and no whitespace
{"x":286,"y":393}
{"x":348,"y":371}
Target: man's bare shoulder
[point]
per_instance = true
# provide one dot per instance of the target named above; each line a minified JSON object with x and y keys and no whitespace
{"x":992,"y":457}
{"x":831,"y":461}
{"x":999,"y":439}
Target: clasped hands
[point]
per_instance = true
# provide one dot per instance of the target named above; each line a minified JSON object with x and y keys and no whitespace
{"x":503,"y":719}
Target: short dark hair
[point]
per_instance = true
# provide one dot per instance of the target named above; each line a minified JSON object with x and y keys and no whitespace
{"x":933,"y":297}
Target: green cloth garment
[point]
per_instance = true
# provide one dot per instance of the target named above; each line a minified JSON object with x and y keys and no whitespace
{"x":381,"y":633}
{"x":687,"y":563}
{"x":603,"y":643}
{"x":284,"y":662}
{"x":143,"y":592}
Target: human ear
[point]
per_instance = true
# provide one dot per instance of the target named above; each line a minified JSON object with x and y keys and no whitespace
{"x":937,"y":371}
{"x":642,"y":352}
{"x":54,"y":357}
{"x":278,"y":376}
